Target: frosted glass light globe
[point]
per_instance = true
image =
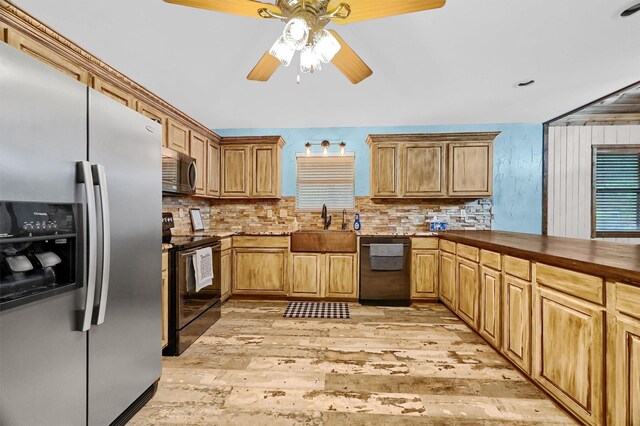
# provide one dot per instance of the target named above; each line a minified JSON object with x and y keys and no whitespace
{"x":296,"y":33}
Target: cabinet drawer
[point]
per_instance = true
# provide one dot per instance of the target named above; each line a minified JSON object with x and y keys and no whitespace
{"x":225,"y":244}
{"x":628,"y":299}
{"x":448,"y":246}
{"x":491,"y":259}
{"x":424,"y":243}
{"x":260,"y":241}
{"x":468,"y":252}
{"x":577,"y":284}
{"x":519,"y":268}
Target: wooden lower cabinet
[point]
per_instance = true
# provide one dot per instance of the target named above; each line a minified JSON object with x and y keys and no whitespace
{"x":260,"y":271}
{"x":306,"y":274}
{"x":165,"y":299}
{"x":468,"y":292}
{"x":625,"y":388}
{"x":225,"y":274}
{"x":448,"y":287}
{"x":424,"y":274}
{"x":516,"y":320}
{"x":569,"y":352}
{"x":341,"y":279}
{"x":490,"y":305}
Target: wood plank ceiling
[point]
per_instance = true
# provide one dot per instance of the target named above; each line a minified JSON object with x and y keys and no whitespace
{"x":619,"y":108}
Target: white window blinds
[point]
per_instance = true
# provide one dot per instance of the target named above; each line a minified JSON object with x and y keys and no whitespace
{"x":325,"y":180}
{"x":616,"y":187}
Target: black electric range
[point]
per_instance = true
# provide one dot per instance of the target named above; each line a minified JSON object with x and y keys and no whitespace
{"x":181,"y":242}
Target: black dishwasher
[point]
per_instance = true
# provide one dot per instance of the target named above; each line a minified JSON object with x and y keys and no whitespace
{"x":385,"y":271}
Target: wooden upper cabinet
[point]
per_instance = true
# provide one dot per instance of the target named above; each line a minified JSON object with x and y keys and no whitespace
{"x":115,"y":93}
{"x":431,"y":165}
{"x":4,"y":33}
{"x":265,"y":174}
{"x":251,"y":167}
{"x":213,"y":168}
{"x":46,"y":55}
{"x":155,"y":115}
{"x":569,"y":352}
{"x":470,"y":169}
{"x":178,"y":136}
{"x":423,"y":174}
{"x":235,"y":173}
{"x":385,"y":169}
{"x":198,"y":150}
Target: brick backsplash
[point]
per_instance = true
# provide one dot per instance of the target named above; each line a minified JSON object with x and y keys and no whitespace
{"x":401,"y":216}
{"x":180,"y":207}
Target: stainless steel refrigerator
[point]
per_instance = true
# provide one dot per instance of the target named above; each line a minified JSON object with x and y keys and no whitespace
{"x":80,"y":243}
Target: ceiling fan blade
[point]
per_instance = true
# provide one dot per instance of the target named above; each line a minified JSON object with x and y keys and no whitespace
{"x":349,"y":63}
{"x":265,"y":68}
{"x":235,"y":7}
{"x":362,"y":10}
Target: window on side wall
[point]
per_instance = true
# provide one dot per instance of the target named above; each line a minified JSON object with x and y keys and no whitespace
{"x":326,"y":180}
{"x":615,"y":202}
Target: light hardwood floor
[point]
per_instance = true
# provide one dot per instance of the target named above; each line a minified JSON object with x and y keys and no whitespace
{"x":385,"y":366}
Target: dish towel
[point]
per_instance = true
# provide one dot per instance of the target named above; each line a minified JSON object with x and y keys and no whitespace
{"x":387,"y":257}
{"x":203,"y":266}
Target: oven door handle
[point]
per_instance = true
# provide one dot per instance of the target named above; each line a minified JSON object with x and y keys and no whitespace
{"x":100,"y":180}
{"x":84,"y":176}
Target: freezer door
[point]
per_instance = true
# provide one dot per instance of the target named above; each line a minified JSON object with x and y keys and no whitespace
{"x":43,"y":116}
{"x":125,"y":344}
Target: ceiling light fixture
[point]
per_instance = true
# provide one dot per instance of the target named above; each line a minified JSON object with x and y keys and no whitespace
{"x":325,"y":147}
{"x":307,"y":147}
{"x":343,"y":146}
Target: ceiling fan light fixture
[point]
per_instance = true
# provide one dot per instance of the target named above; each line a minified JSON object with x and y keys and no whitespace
{"x":326,"y":45}
{"x":282,"y":51}
{"x":296,"y":33}
{"x":309,"y":60}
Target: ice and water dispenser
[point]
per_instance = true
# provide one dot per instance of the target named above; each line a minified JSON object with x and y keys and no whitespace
{"x":38,"y":251}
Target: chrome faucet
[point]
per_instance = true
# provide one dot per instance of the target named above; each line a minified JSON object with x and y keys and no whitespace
{"x":326,"y":217}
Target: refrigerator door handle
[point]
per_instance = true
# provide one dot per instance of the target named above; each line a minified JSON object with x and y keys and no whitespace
{"x":100,"y":180}
{"x":84,"y":176}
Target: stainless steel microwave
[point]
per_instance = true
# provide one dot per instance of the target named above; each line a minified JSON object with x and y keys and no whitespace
{"x":179,"y":173}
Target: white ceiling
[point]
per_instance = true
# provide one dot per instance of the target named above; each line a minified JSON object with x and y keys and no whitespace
{"x":455,"y":65}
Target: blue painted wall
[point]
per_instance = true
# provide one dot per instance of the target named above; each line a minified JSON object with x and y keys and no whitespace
{"x":517,"y":184}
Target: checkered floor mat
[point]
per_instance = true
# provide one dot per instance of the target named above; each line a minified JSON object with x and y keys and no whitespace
{"x":317,"y":310}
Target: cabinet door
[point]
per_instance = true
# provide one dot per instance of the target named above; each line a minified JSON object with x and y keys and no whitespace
{"x":225,"y":274}
{"x":341,"y":275}
{"x":516,"y":320}
{"x":4,"y":33}
{"x":490,"y":307}
{"x":265,"y":173}
{"x":235,"y":171}
{"x":424,"y":274}
{"x":448,"y":279}
{"x":259,"y":271}
{"x":385,"y":170}
{"x":177,"y":136}
{"x":156,"y":116}
{"x":627,"y":390}
{"x":213,"y":168}
{"x":569,"y":352}
{"x":470,"y":169}
{"x":423,"y":172}
{"x":113,"y":92}
{"x":306,"y":274}
{"x":468,"y":292}
{"x":198,"y":150}
{"x":165,"y":299}
{"x":43,"y":54}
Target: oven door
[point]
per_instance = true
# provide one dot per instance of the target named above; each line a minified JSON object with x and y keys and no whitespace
{"x":192,"y":303}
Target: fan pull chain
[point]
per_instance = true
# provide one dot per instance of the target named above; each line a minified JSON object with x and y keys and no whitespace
{"x":298,"y":79}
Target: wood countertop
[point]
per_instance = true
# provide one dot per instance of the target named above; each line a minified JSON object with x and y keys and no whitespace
{"x":601,"y":258}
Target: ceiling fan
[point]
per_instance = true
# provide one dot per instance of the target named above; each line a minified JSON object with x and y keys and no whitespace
{"x":304,"y":30}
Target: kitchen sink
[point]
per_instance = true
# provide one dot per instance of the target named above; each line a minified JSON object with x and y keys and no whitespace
{"x":330,"y":241}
